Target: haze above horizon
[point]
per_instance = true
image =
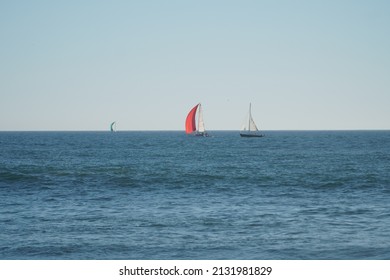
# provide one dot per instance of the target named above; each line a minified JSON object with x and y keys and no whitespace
{"x":304,"y":65}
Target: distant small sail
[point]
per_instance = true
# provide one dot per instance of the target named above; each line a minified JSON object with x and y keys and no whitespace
{"x":113,"y":127}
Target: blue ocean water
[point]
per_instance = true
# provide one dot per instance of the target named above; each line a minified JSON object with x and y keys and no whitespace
{"x":166,"y":195}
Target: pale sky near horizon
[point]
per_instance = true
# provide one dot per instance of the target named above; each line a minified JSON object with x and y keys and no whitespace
{"x":79,"y":65}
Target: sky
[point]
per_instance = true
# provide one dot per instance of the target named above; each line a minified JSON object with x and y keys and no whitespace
{"x":304,"y":65}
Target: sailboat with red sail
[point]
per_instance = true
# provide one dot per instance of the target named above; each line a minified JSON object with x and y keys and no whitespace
{"x":193,"y":127}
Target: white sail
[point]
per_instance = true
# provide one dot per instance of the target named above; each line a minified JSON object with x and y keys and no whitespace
{"x":252,"y":125}
{"x":200,"y":120}
{"x":249,"y":125}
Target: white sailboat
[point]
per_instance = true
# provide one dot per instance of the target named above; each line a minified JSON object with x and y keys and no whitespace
{"x":249,"y":128}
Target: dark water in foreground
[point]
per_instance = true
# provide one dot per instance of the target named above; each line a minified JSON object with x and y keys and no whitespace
{"x":165,"y":195}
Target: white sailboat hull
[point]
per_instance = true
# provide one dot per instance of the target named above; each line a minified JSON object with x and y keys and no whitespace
{"x":251,"y":135}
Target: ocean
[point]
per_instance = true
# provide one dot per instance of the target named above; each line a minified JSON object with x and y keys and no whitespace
{"x":292,"y":195}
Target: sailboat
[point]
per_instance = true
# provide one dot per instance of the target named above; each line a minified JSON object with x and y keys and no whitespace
{"x":191,"y":122}
{"x":249,"y":128}
{"x":113,"y":127}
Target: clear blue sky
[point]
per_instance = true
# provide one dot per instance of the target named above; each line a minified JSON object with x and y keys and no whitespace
{"x":79,"y":65}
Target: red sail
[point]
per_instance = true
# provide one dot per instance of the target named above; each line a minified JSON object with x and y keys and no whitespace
{"x":190,"y":120}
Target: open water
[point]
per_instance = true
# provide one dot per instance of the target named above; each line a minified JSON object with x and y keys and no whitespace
{"x":166,"y":195}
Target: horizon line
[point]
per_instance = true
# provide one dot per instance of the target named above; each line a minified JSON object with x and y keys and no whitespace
{"x":176,"y":130}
